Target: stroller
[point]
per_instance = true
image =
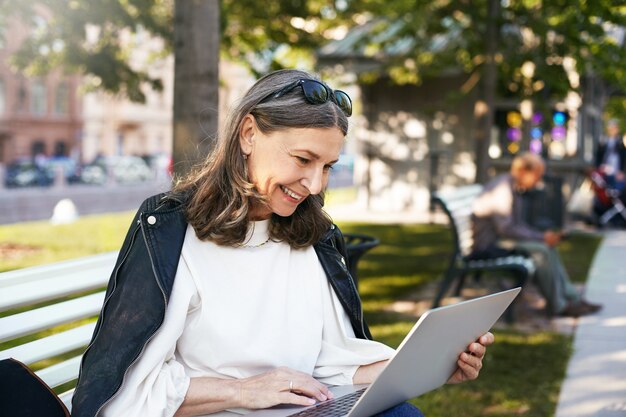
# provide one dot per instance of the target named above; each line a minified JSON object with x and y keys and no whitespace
{"x":607,"y":202}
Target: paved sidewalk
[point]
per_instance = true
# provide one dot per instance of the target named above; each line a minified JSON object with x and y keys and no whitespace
{"x":595,"y":383}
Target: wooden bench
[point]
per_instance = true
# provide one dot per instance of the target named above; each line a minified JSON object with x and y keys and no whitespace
{"x":457,"y":205}
{"x":64,"y":296}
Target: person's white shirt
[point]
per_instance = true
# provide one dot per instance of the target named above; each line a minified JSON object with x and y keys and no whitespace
{"x":239,"y":312}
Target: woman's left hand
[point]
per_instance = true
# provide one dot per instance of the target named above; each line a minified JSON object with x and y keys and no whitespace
{"x":469,"y":364}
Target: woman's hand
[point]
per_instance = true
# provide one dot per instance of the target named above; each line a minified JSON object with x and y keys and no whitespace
{"x":469,"y":364}
{"x":281,"y":386}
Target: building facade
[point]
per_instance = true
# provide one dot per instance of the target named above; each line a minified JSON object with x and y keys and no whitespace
{"x":38,"y":115}
{"x":412,"y":140}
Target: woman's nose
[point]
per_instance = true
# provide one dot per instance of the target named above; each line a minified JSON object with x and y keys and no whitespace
{"x":314,"y":181}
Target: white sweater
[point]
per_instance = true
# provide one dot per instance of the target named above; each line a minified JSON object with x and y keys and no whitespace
{"x":239,"y":312}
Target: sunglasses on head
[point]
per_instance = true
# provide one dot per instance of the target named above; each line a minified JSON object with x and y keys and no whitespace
{"x":315,"y":92}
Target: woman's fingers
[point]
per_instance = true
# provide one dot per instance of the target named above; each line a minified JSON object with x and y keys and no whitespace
{"x":487,"y":339}
{"x":469,"y":371}
{"x":470,"y":363}
{"x":282,"y":386}
{"x":292,"y":398}
{"x":311,"y":388}
{"x":477,"y":350}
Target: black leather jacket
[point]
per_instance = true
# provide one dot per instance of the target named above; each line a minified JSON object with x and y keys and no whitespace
{"x":139,"y":290}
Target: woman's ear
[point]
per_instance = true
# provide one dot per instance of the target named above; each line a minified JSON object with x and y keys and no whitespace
{"x":247,"y":133}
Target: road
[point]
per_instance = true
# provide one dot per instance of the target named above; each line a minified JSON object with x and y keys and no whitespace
{"x":37,"y":203}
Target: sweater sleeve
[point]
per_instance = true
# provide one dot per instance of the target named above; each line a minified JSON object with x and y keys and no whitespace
{"x":156,"y":384}
{"x":342,"y":352}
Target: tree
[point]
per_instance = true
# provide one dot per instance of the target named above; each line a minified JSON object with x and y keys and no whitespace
{"x":196,"y":37}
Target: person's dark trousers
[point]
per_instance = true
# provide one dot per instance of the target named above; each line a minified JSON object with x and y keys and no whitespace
{"x":402,"y":410}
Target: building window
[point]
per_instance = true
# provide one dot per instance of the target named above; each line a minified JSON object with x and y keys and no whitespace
{"x":61,"y":99}
{"x":38,"y":150}
{"x":38,"y":98}
{"x":20,"y":106}
{"x":60,"y":148}
{"x":2,"y":97}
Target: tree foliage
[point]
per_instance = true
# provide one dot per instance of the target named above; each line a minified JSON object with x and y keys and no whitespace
{"x":87,"y":37}
{"x":540,"y":41}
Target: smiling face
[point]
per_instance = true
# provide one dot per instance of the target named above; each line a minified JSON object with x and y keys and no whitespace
{"x":288,"y":165}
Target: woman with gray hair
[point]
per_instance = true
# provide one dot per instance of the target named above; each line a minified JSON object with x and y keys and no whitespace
{"x":232,"y":292}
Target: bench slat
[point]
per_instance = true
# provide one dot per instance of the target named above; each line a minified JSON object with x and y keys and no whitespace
{"x":61,"y":373}
{"x":54,"y":287}
{"x":46,"y":317}
{"x":66,"y":397}
{"x":470,"y":191}
{"x":63,"y":268}
{"x":460,"y":205}
{"x":51,"y":346}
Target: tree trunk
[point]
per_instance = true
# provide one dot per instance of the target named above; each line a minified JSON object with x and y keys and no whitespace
{"x":196,"y":54}
{"x":485,"y":111}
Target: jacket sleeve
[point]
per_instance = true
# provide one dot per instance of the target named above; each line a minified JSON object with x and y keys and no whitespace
{"x":498,"y":204}
{"x":156,"y":384}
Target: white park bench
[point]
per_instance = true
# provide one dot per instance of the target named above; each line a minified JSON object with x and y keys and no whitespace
{"x":35,"y":300}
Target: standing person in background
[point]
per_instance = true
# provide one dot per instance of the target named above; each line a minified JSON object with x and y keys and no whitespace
{"x":232,"y":291}
{"x":610,"y":158}
{"x":499,"y":228}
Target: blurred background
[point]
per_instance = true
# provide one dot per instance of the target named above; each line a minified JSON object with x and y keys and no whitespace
{"x":123,"y":92}
{"x":103,"y":103}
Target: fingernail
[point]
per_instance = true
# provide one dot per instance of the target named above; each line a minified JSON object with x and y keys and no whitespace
{"x":311,"y":401}
{"x":323,"y":397}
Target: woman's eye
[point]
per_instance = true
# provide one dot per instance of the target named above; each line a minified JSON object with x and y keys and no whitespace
{"x":328,"y":168}
{"x":302,"y":160}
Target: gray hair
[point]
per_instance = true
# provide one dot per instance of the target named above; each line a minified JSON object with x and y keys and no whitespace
{"x":219,"y":193}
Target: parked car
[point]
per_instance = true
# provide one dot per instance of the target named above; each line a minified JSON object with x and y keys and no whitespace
{"x":121,"y":169}
{"x":25,"y":173}
{"x":70,"y":168}
{"x":161,"y":165}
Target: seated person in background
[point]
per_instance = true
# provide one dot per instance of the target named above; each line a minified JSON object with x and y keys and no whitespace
{"x":499,"y":228}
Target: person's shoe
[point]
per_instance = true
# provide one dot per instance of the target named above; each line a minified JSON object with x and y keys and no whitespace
{"x":591,"y":306}
{"x":579,"y":308}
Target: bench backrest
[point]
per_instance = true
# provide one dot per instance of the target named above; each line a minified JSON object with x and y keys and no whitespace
{"x":457,"y":204}
{"x":48,"y":313}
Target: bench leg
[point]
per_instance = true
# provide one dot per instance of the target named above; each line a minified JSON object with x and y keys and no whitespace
{"x":509,"y":314}
{"x":445,"y":284}
{"x":460,"y":283}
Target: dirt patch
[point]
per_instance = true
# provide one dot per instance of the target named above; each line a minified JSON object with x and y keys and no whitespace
{"x":11,"y":251}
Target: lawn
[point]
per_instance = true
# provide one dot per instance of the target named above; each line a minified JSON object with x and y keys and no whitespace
{"x":522,"y":373}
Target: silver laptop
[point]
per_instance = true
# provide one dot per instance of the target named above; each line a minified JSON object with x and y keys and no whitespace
{"x":425,"y":360}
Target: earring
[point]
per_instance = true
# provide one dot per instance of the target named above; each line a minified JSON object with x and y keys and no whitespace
{"x":245,"y":156}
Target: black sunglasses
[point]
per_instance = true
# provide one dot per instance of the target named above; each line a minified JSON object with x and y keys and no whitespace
{"x":315,"y":92}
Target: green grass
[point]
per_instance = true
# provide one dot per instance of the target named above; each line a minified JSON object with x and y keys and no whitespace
{"x":575,"y":253}
{"x":36,"y":243}
{"x":522,"y":372}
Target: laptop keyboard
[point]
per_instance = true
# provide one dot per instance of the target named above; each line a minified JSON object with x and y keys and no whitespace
{"x":337,"y":407}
